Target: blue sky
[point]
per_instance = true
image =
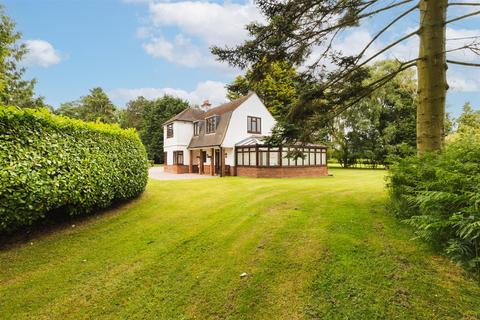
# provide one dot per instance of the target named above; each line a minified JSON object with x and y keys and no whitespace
{"x":142,"y":47}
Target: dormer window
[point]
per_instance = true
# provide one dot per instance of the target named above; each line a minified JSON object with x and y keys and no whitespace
{"x":196,"y":128}
{"x":170,"y":130}
{"x":254,"y":125}
{"x":211,"y":124}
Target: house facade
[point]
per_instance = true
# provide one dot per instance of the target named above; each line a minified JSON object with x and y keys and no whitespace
{"x":227,"y":140}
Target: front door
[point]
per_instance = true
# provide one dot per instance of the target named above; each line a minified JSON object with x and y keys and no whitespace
{"x":203,"y":159}
{"x":217,"y":161}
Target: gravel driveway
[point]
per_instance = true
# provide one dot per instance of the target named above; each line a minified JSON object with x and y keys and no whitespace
{"x":157,"y":173}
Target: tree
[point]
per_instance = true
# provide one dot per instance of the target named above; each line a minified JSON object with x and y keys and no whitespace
{"x":394,"y":109}
{"x":296,"y":28}
{"x":133,"y":114}
{"x":381,"y":127}
{"x":93,"y":107}
{"x":469,"y":119}
{"x":97,"y":107}
{"x":155,"y":114}
{"x":14,"y":90}
{"x":276,"y":84}
{"x":69,"y":109}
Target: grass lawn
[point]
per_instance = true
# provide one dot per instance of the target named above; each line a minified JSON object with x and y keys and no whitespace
{"x":320,"y":248}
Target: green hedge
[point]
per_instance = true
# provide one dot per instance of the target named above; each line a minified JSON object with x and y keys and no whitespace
{"x":439,"y":195}
{"x":49,"y":162}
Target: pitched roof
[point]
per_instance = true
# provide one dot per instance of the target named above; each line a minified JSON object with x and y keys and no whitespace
{"x":194,"y":114}
{"x":189,"y":114}
{"x":227,"y":107}
{"x":211,"y":139}
{"x":224,"y":113}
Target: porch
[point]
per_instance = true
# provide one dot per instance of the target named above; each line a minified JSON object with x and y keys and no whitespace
{"x":213,"y":161}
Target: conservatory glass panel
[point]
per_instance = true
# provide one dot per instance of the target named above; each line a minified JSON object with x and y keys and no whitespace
{"x":273,"y":161}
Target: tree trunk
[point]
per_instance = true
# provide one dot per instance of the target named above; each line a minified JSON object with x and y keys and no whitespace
{"x":432,"y":76}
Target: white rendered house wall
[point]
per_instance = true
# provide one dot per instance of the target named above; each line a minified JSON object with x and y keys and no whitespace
{"x":237,"y":129}
{"x":182,"y":134}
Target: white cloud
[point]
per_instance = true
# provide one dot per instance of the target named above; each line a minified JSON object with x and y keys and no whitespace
{"x":41,"y":53}
{"x":463,"y":84}
{"x":180,"y":51}
{"x":214,"y":23}
{"x":198,"y":25}
{"x":212,"y":90}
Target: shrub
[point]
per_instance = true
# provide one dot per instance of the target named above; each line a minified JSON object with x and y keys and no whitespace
{"x":51,"y":162}
{"x":439,"y":195}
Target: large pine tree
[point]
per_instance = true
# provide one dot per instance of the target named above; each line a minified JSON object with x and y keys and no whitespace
{"x":295,"y":27}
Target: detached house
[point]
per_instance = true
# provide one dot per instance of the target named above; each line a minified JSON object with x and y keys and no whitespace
{"x":227,"y":140}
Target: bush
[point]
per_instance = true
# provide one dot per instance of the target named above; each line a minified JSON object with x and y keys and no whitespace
{"x":439,"y":195}
{"x":50,"y":162}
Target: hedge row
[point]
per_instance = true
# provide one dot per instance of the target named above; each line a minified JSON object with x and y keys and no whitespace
{"x":49,"y":162}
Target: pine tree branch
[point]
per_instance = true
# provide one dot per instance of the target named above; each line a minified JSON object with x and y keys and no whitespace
{"x":464,"y":4}
{"x":367,"y":5}
{"x":386,"y":29}
{"x":322,"y":32}
{"x":344,"y":73}
{"x":463,"y":38}
{"x":468,"y":64}
{"x":394,"y":5}
{"x":369,"y":89}
{"x":327,"y":49}
{"x":471,"y":14}
{"x":362,"y":16}
{"x":474,"y":47}
{"x":372,"y":87}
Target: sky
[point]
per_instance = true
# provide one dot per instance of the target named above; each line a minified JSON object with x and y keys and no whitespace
{"x":154,"y":47}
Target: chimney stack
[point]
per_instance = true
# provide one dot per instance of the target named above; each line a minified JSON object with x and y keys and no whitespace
{"x":206,"y":105}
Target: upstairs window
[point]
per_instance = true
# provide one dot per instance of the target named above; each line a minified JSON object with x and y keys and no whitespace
{"x":254,"y":125}
{"x":170,"y":130}
{"x":196,"y":128}
{"x":211,"y":124}
{"x":177,"y":157}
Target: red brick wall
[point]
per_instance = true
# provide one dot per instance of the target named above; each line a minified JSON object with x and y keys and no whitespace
{"x":175,"y":168}
{"x":282,"y":172}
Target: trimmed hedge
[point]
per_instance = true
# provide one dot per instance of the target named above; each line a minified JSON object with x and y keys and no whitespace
{"x":50,"y":162}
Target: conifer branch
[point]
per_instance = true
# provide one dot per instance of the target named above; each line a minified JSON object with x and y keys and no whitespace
{"x":471,"y":14}
{"x":468,"y":64}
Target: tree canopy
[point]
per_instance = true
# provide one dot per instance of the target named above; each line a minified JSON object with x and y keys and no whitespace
{"x":95,"y":106}
{"x":380,"y":127}
{"x":276,"y":83}
{"x":469,"y":119}
{"x":14,"y":90}
{"x":155,"y":114}
{"x":133,"y":114}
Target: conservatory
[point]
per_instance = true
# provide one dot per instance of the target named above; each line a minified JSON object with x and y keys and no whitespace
{"x":258,"y":160}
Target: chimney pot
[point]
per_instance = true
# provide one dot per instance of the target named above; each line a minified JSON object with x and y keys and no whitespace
{"x":206,"y":105}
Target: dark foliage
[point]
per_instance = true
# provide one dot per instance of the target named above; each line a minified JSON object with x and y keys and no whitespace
{"x":439,"y":195}
{"x":155,"y":114}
